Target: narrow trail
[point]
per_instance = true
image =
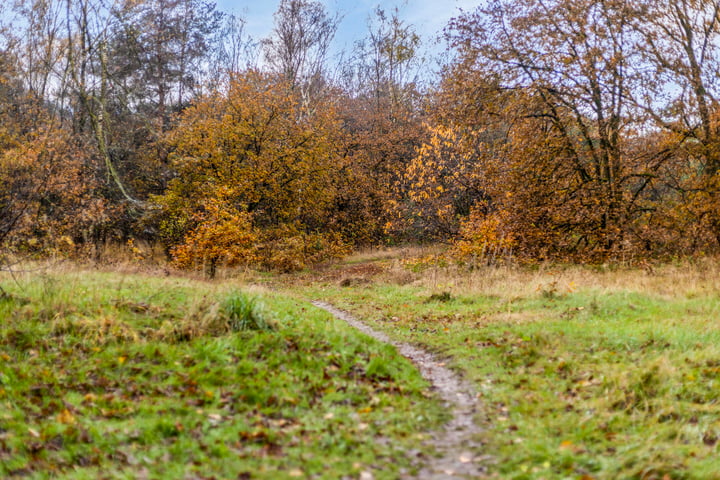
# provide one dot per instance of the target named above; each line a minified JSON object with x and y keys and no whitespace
{"x":456,"y":441}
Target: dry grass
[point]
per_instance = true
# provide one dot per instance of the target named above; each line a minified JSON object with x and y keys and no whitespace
{"x":683,"y":280}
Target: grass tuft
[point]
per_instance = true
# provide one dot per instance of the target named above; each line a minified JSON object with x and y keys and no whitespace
{"x":244,"y":312}
{"x":443,"y":297}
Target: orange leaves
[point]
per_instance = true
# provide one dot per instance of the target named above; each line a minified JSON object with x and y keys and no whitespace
{"x":257,"y":179}
{"x":256,"y":140}
{"x":224,"y":236}
{"x":66,"y":417}
{"x":486,"y":236}
{"x":44,"y":193}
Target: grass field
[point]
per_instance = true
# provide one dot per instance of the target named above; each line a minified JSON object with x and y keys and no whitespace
{"x":585,"y":373}
{"x":112,"y":375}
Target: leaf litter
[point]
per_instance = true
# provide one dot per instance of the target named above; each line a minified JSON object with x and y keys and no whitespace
{"x":457,"y":442}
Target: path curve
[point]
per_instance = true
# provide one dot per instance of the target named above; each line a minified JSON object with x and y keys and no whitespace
{"x":457,"y":442}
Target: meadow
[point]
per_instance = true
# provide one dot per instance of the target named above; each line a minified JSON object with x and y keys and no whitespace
{"x":583,"y":372}
{"x":130,"y":375}
{"x":601,"y":372}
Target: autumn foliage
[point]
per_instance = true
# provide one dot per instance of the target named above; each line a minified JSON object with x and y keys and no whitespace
{"x":555,"y":129}
{"x":223,"y":236}
{"x":256,"y":178}
{"x":46,"y":203}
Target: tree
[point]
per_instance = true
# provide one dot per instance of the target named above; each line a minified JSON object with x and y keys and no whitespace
{"x":235,"y":51}
{"x":566,"y":69}
{"x":249,"y":151}
{"x":441,"y":184}
{"x":680,"y":43}
{"x":382,"y":113}
{"x":223,"y":236}
{"x":46,"y":201}
{"x":43,"y":44}
{"x":299,"y":45}
{"x":387,"y":61}
{"x":158,"y":49}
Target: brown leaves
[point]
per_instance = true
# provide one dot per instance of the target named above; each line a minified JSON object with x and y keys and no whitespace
{"x":566,"y":163}
{"x":45,"y":191}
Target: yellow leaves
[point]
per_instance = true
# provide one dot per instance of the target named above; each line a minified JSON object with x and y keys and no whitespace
{"x":137,"y":254}
{"x":566,"y":445}
{"x":66,"y":417}
{"x":441,"y":176}
{"x":485,"y":234}
{"x":250,"y":162}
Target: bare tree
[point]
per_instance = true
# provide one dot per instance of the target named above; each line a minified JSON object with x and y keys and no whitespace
{"x":234,"y":52}
{"x":680,"y":40}
{"x":300,"y":43}
{"x":388,"y":60}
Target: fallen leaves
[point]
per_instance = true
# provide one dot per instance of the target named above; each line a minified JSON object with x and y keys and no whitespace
{"x":265,"y":399}
{"x":66,"y":417}
{"x":567,"y":445}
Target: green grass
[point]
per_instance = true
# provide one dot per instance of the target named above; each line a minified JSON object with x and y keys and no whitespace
{"x":583,"y":375}
{"x":104,"y":375}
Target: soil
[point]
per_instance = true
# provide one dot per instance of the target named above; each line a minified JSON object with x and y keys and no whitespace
{"x":456,"y":443}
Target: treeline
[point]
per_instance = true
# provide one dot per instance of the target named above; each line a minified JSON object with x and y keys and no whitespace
{"x":555,"y":129}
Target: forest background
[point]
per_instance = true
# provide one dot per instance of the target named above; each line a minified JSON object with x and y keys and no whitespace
{"x":579,"y":130}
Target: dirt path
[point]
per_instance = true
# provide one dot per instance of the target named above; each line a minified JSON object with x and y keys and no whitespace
{"x":455,"y":442}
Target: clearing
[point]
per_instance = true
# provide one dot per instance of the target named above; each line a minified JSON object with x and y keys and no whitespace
{"x":561,"y":371}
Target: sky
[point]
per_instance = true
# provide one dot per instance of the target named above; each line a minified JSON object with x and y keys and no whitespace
{"x":427,"y":16}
